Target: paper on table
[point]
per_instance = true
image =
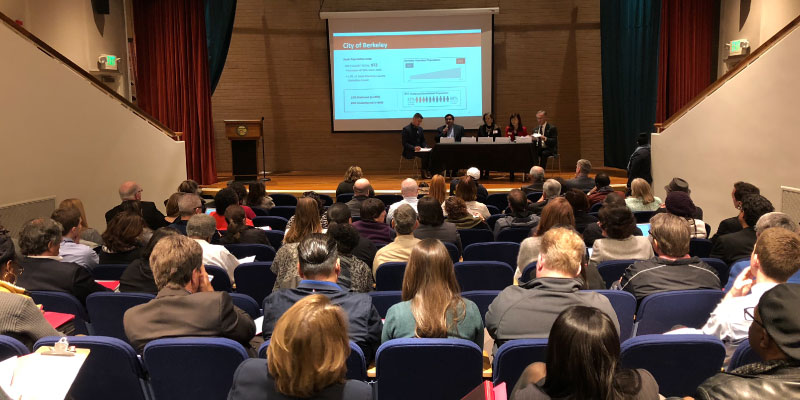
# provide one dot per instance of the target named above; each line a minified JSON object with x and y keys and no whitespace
{"x":424,"y":149}
{"x":31,"y":371}
{"x":247,"y":259}
{"x":259,"y":324}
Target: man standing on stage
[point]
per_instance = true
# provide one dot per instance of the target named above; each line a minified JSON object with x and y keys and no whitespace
{"x":548,"y":142}
{"x":450,"y":129}
{"x":413,"y":141}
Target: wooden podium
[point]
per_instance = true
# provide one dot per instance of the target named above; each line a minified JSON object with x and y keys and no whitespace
{"x":244,"y":135}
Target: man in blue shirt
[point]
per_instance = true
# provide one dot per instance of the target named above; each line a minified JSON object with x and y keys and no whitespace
{"x":71,"y":249}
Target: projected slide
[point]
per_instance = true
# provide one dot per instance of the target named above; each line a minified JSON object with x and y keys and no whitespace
{"x":378,"y":75}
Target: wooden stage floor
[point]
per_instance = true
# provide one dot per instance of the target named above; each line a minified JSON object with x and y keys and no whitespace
{"x":297,"y":182}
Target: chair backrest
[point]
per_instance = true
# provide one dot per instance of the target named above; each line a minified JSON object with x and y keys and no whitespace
{"x":356,"y":363}
{"x":493,"y":210}
{"x":612,"y":270}
{"x":261,"y":251}
{"x":492,"y":221}
{"x":255,"y":280}
{"x":111,"y":370}
{"x":700,"y":247}
{"x":643,"y":217}
{"x":259,"y":212}
{"x":384,"y":300}
{"x":513,"y":357}
{"x":204,"y":367}
{"x":528,"y":273}
{"x":596,"y":207}
{"x":272,"y":221}
{"x":482,"y":299}
{"x":389,"y":199}
{"x":624,"y":304}
{"x":327,"y":199}
{"x":452,"y":249}
{"x":107,"y":309}
{"x":723,"y":270}
{"x":108,"y":272}
{"x":494,"y":251}
{"x":275,"y":238}
{"x":484,"y":275}
{"x":283,"y":199}
{"x":659,"y":312}
{"x":221,"y":281}
{"x":344,"y":197}
{"x":64,"y":303}
{"x":424,"y":368}
{"x":499,"y":200}
{"x":743,"y":355}
{"x":736,"y":269}
{"x":389,"y":276}
{"x":470,"y":236}
{"x":282,"y":211}
{"x":534,"y":196}
{"x":516,"y":235}
{"x":10,"y":347}
{"x":247,"y":304}
{"x":679,"y":363}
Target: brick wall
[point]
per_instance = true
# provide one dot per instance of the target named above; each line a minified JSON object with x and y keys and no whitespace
{"x":546,"y":56}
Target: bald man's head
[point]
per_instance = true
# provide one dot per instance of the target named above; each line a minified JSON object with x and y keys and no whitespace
{"x":409,"y":188}
{"x":361,"y":187}
{"x":130,"y":190}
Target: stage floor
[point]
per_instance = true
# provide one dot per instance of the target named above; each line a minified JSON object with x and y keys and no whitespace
{"x":297,"y":182}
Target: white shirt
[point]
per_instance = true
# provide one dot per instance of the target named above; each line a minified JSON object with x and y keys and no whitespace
{"x":727,"y":320}
{"x":412,"y":201}
{"x":218,"y":255}
{"x":77,"y":253}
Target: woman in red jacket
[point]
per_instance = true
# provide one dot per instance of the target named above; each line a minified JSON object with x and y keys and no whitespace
{"x":515,"y":127}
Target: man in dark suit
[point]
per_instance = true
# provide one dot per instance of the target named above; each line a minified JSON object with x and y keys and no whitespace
{"x":413,"y":141}
{"x":639,"y":163}
{"x":450,"y":129}
{"x":319,"y":271}
{"x":581,"y":181}
{"x":186,"y":304}
{"x":548,"y":143}
{"x":131,"y":194}
{"x":738,"y":245}
{"x":39,"y":242}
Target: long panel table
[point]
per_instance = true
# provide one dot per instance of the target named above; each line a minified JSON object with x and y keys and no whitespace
{"x":506,"y":157}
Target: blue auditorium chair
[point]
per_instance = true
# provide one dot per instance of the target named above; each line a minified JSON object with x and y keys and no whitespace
{"x":624,"y":304}
{"x":493,"y":210}
{"x":276,"y":223}
{"x":384,"y":300}
{"x":499,"y":200}
{"x":734,"y":271}
{"x":660,"y":312}
{"x":356,"y":363}
{"x":261,"y":251}
{"x":700,"y":247}
{"x":389,"y":199}
{"x":470,"y":236}
{"x":107,"y":309}
{"x":516,"y":235}
{"x":326,"y":199}
{"x":452,"y":249}
{"x":247,"y":304}
{"x":389,"y":276}
{"x":494,"y":251}
{"x":64,"y":303}
{"x":743,"y":355}
{"x":275,"y":238}
{"x":10,"y":347}
{"x":254,"y":279}
{"x":643,"y":217}
{"x":534,"y":197}
{"x":491,"y":222}
{"x":282,"y":211}
{"x":513,"y":357}
{"x":528,"y":273}
{"x":221,"y":281}
{"x":482,"y":299}
{"x":108,"y":272}
{"x":344,"y":197}
{"x":283,"y":199}
{"x":612,"y":270}
{"x":483,"y":275}
{"x":723,"y":270}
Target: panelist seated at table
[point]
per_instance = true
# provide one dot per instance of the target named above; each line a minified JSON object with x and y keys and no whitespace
{"x":414,"y":141}
{"x":450,"y":129}
{"x":515,"y":127}
{"x":489,"y":128}
{"x":548,"y":137}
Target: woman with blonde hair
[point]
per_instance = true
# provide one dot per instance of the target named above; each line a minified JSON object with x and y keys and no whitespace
{"x":306,"y":358}
{"x":641,"y":198}
{"x":557,"y":212}
{"x":352,"y":174}
{"x":306,"y":222}
{"x":89,"y":236}
{"x":432,"y":306}
{"x":438,"y":189}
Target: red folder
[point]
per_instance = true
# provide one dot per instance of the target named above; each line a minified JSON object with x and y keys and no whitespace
{"x":57,"y":319}
{"x":113,"y":285}
{"x":487,"y":391}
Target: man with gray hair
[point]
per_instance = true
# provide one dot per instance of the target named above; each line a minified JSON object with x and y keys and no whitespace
{"x":188,"y":204}
{"x":404,"y":223}
{"x":548,"y":141}
{"x":186,"y":304}
{"x":409,"y":190}
{"x":131,"y":192}
{"x":201,"y":228}
{"x":581,"y":181}
{"x":43,"y":269}
{"x":550,"y":190}
{"x":319,"y":269}
{"x":537,"y":180}
{"x":361,"y":189}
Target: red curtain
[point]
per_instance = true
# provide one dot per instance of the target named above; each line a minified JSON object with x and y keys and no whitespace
{"x":685,"y":53}
{"x":172,"y":76}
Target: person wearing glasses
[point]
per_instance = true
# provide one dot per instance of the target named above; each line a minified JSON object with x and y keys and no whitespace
{"x":131,"y":192}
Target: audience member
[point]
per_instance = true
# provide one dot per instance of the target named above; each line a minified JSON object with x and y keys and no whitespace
{"x":222,"y":200}
{"x":241,"y":195}
{"x":138,"y":276}
{"x":257,"y":196}
{"x":285,"y":264}
{"x":360,"y":193}
{"x":529,"y":310}
{"x":580,"y":208}
{"x":355,"y":275}
{"x":190,"y":186}
{"x":371,"y":225}
{"x":619,"y":242}
{"x":201,"y":228}
{"x":734,"y":224}
{"x":641,"y":198}
{"x":680,"y":185}
{"x":537,"y":180}
{"x":131,"y":192}
{"x":467,"y":191}
{"x":364,"y":249}
{"x":432,"y":305}
{"x":319,"y":270}
{"x":581,"y":181}
{"x":456,"y":210}
{"x":171,"y":205}
{"x":672,"y":268}
{"x":557,"y":213}
{"x":351,"y":177}
{"x":432,"y":224}
{"x":475,"y":174}
{"x":71,"y":248}
{"x":323,"y":217}
{"x":583,"y":362}
{"x":124,"y":238}
{"x":774,"y":337}
{"x":738,"y":245}
{"x":546,"y":135}
{"x":639,"y":162}
{"x":594,"y":231}
{"x":551,"y":190}
{"x":404,"y":223}
{"x":238,"y":231}
{"x":186,"y":304}
{"x":520,"y":216}
{"x":409,"y":190}
{"x":39,"y":242}
{"x":438,"y":189}
{"x":602,"y":187}
{"x":680,"y":204}
{"x":189,"y":204}
{"x":89,"y":236}
{"x":20,"y":318}
{"x":294,"y":367}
